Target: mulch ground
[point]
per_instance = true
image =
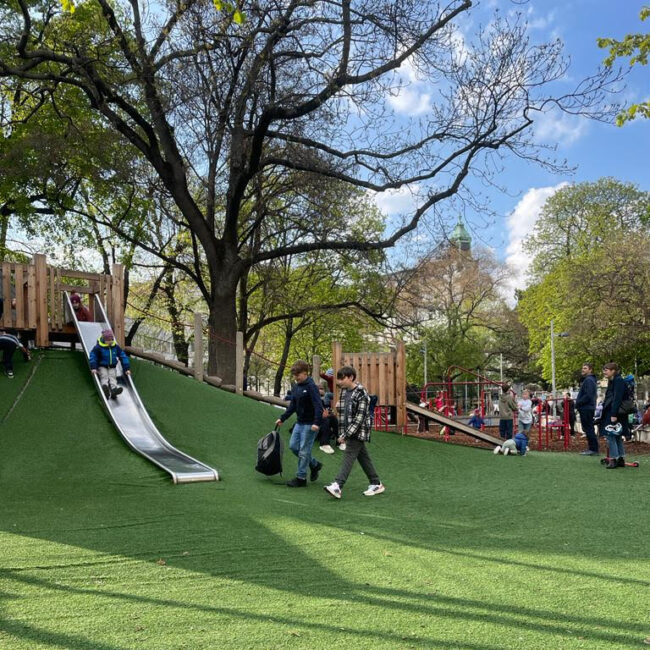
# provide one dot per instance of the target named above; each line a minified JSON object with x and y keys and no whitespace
{"x":576,"y":443}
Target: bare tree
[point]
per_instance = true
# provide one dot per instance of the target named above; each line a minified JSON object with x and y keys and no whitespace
{"x":301,"y":85}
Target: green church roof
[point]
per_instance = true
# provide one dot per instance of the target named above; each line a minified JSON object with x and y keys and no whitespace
{"x":460,"y":235}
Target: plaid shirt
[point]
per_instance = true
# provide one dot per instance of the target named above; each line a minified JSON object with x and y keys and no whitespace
{"x":356,"y":414}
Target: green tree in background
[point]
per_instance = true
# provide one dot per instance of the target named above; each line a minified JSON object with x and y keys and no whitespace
{"x":636,"y":47}
{"x":590,"y":275}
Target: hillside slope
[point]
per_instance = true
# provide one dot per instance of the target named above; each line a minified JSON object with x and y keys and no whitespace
{"x":464,"y":550}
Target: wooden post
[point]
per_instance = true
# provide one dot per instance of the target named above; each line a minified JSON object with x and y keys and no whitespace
{"x":239,"y":363}
{"x":337,"y":356}
{"x":400,"y":384}
{"x":42,"y":333}
{"x":117,"y":306}
{"x":20,"y":295}
{"x":198,"y":347}
{"x":315,"y":369}
{"x":6,"y":293}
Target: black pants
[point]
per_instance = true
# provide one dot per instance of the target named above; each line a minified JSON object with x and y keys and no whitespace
{"x":8,"y":348}
{"x":328,"y":429}
{"x":356,"y":450}
{"x":587,"y":421}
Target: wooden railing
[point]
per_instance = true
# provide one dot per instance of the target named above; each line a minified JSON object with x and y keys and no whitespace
{"x":37,"y":289}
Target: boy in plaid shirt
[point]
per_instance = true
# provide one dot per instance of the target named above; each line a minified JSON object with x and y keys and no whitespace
{"x":355,"y":432}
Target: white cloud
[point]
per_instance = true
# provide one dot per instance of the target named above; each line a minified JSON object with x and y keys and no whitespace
{"x":521,"y":222}
{"x":555,"y":127}
{"x":410,"y":102}
{"x":397,"y":202}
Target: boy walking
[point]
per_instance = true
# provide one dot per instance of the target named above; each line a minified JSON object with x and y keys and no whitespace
{"x":355,"y":432}
{"x":306,"y":403}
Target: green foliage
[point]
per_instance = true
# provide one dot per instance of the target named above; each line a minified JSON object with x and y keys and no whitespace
{"x":636,"y":47}
{"x":591,"y":271}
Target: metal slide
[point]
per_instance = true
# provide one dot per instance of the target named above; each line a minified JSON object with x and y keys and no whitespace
{"x":453,"y":424}
{"x":131,"y":418}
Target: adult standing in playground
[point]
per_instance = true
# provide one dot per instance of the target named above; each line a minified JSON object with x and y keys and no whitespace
{"x":507,"y":408}
{"x":612,"y":427}
{"x":586,"y":405}
{"x":355,"y":430}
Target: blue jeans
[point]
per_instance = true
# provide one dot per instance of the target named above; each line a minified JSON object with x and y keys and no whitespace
{"x":615,"y":446}
{"x":300,"y":443}
{"x":521,"y":440}
{"x":505,"y":429}
{"x":524,"y":427}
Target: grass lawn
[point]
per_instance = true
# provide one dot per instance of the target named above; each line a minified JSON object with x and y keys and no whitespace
{"x":464,"y":549}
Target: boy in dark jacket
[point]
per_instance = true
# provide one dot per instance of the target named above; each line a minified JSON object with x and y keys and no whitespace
{"x":103,"y":361}
{"x":306,"y":403}
{"x":586,"y":406}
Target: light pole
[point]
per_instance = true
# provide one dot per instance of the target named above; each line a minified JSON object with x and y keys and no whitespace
{"x":424,"y":352}
{"x":553,"y":335}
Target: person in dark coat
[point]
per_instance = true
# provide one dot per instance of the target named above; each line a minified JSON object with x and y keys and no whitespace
{"x":611,"y":426}
{"x":586,"y":405}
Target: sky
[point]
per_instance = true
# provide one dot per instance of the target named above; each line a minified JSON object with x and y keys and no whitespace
{"x":595,"y":150}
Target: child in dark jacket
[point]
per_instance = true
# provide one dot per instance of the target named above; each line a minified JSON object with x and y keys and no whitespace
{"x":306,"y":403}
{"x":103,"y":361}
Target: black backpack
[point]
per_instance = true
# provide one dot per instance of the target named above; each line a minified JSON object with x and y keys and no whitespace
{"x":269,"y":454}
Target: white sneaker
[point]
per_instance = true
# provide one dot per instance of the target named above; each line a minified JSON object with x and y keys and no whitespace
{"x":333,"y":489}
{"x":374,"y":489}
{"x":506,"y":451}
{"x":326,"y":449}
{"x":342,"y":446}
{"x":497,"y":450}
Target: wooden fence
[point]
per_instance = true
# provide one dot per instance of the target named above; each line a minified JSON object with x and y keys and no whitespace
{"x":37,"y":289}
{"x":382,"y":373}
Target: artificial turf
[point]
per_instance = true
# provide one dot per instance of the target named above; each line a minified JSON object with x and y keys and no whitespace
{"x":464,"y":549}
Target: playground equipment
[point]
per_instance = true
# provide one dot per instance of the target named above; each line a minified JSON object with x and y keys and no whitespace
{"x":40,"y":310}
{"x":131,"y":418}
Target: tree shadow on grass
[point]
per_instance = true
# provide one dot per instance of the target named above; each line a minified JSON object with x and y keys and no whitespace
{"x":435,"y":605}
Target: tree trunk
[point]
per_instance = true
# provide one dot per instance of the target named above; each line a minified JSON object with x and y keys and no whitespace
{"x":223,"y":333}
{"x":277,"y":386}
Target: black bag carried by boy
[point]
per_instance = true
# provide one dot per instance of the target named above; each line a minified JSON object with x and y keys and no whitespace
{"x":269,"y":454}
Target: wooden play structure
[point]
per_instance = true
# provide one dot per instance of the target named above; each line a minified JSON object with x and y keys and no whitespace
{"x":39,"y":312}
{"x":382,"y":373}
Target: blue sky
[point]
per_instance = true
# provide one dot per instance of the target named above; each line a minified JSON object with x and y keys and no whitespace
{"x":595,"y":149}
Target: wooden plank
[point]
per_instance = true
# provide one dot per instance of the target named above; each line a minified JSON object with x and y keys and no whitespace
{"x":390,"y":381}
{"x":42,"y":331}
{"x":31,"y":296}
{"x":51,"y":272}
{"x":62,"y":286}
{"x":6,"y":294}
{"x":118,"y":302}
{"x":239,"y":362}
{"x":20,"y":297}
{"x":400,"y":383}
{"x":374,"y":373}
{"x":381,"y":379}
{"x":79,"y":275}
{"x":337,"y":357}
{"x":198,"y":347}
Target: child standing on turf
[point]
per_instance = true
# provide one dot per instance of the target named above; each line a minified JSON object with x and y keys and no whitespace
{"x":524,"y":422}
{"x":355,"y":432}
{"x":306,"y":403}
{"x":103,"y":361}
{"x":507,"y":408}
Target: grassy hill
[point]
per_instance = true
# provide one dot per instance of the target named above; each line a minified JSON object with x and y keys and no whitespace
{"x":464,"y":550}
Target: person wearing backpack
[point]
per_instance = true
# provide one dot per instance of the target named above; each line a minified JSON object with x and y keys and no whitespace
{"x":586,"y":405}
{"x":611,"y":425}
{"x":306,"y":403}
